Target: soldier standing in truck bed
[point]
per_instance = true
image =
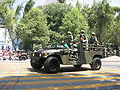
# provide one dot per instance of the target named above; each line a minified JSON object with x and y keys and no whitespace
{"x":93,"y":39}
{"x":83,"y":38}
{"x":69,"y":39}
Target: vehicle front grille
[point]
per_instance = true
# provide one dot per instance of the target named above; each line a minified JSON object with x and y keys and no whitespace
{"x":36,"y":54}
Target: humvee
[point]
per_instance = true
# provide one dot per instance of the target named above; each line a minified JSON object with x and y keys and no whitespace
{"x":51,"y":58}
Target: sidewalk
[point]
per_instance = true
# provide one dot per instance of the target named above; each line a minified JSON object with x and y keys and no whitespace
{"x":111,"y":59}
{"x":14,"y":61}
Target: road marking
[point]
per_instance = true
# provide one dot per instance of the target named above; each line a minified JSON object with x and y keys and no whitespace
{"x":67,"y":81}
{"x":10,"y":84}
{"x":77,"y":86}
{"x":49,"y":77}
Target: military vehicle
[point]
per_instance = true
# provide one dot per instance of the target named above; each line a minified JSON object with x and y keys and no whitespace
{"x":51,"y":58}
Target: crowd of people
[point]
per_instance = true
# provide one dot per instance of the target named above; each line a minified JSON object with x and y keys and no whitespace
{"x":8,"y":55}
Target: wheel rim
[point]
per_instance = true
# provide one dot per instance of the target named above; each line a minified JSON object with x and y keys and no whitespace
{"x":98,"y":64}
{"x":53,"y":66}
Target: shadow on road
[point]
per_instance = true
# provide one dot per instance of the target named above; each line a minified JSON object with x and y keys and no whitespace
{"x":61,"y":70}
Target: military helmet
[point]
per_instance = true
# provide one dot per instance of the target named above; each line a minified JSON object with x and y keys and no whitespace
{"x":69,"y":32}
{"x":82,"y":31}
{"x":93,"y":33}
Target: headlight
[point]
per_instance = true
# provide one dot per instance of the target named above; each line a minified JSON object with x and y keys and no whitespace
{"x":40,"y":54}
{"x":45,"y":54}
{"x":33,"y":54}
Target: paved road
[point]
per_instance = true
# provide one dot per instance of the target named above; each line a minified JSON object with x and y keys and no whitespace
{"x":19,"y":75}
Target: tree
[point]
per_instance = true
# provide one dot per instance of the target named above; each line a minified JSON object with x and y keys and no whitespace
{"x":78,"y":5}
{"x":55,"y":13}
{"x":10,"y":18}
{"x":101,"y":19}
{"x":74,"y":21}
{"x":28,"y":7}
{"x":62,"y":1}
{"x":33,"y":29}
{"x":114,"y":37}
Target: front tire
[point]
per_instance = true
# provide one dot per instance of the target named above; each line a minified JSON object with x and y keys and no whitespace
{"x":35,"y":64}
{"x":52,"y":64}
{"x":96,"y":64}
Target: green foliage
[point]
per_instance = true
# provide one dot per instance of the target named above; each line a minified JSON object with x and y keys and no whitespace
{"x":28,"y":6}
{"x":101,"y":18}
{"x":8,"y":3}
{"x":61,"y":1}
{"x":37,"y":47}
{"x":78,"y":5}
{"x":116,"y":9}
{"x":55,"y":37}
{"x":115,"y":33}
{"x":74,"y":21}
{"x":33,"y":28}
{"x":9,"y":16}
{"x":118,"y":17}
{"x":37,"y":29}
{"x":55,"y":13}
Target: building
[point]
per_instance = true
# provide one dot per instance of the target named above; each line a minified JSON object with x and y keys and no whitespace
{"x":4,"y":39}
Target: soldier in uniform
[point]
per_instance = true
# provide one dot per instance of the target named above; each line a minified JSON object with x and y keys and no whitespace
{"x":93,"y":39}
{"x":69,"y":39}
{"x":83,"y":39}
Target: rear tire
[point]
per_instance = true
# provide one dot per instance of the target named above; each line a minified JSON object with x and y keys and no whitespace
{"x":96,"y":64}
{"x":52,"y":64}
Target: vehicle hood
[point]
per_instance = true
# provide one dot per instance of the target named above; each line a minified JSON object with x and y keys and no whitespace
{"x":49,"y":50}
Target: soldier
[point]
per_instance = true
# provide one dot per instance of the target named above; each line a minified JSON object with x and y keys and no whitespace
{"x":83,"y":40}
{"x":93,"y":39}
{"x":69,"y":39}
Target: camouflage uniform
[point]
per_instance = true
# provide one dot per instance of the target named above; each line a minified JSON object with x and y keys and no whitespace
{"x":83,"y":39}
{"x":69,"y":39}
{"x":93,"y":40}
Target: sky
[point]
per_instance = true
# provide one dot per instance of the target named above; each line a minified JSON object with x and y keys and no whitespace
{"x":42,"y":2}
